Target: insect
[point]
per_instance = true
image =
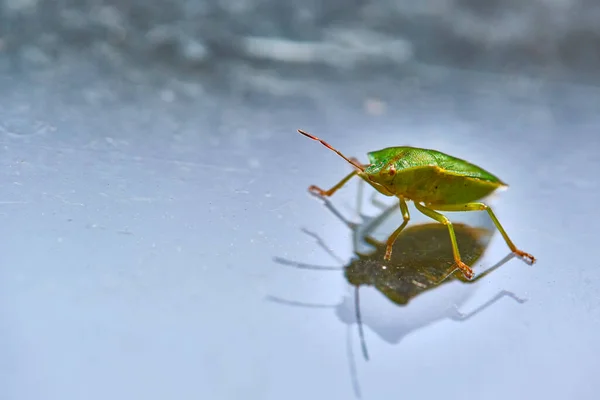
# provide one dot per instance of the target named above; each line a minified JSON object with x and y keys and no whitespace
{"x":420,"y":268}
{"x":434,"y":181}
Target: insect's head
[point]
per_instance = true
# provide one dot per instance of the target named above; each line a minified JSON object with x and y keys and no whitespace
{"x":381,"y":176}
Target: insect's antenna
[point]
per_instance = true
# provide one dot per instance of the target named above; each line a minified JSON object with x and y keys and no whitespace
{"x":361,"y":334}
{"x":324,"y":143}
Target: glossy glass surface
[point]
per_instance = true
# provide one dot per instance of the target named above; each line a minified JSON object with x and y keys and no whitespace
{"x":152,"y":229}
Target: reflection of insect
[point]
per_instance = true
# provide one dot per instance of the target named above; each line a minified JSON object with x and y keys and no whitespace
{"x":423,"y":264}
{"x":433,"y":181}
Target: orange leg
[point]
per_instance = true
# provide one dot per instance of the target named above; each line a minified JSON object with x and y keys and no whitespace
{"x":327,"y":193}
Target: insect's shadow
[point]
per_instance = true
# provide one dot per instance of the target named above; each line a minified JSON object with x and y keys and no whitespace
{"x":421,"y":261}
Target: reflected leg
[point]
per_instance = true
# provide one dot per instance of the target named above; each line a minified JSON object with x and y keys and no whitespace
{"x":371,"y":226}
{"x":323,"y":246}
{"x":378,"y":203}
{"x":359,"y":195}
{"x":466,"y":270}
{"x":394,"y":235}
{"x":482,"y":207}
{"x":376,"y":221}
{"x":459,"y":316}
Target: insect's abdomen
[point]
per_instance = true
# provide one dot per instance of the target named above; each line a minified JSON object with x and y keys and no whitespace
{"x":435,"y":186}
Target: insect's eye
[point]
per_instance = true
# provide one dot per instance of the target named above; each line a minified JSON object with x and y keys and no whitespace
{"x":392,"y":170}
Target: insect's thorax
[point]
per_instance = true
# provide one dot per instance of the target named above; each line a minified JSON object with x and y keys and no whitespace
{"x":429,"y":184}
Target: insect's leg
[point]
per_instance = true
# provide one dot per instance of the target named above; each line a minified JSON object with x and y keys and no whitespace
{"x":372,"y":225}
{"x":326,"y":193}
{"x":482,"y":207}
{"x":394,"y":235}
{"x":466,"y":270}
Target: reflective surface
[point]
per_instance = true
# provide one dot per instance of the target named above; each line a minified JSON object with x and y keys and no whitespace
{"x":422,"y":262}
{"x":141,"y":231}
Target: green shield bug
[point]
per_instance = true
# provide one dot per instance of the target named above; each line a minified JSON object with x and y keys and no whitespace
{"x":434,"y":181}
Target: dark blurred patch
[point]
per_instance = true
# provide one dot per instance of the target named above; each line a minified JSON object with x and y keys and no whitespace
{"x":556,"y":38}
{"x":492,"y":7}
{"x":422,"y":260}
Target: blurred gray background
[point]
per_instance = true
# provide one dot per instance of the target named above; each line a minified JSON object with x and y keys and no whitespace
{"x":549,"y":38}
{"x":152,"y":176}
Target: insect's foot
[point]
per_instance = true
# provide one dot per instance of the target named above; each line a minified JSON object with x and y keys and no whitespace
{"x":318,"y":191}
{"x":526,"y":256}
{"x":466,"y":270}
